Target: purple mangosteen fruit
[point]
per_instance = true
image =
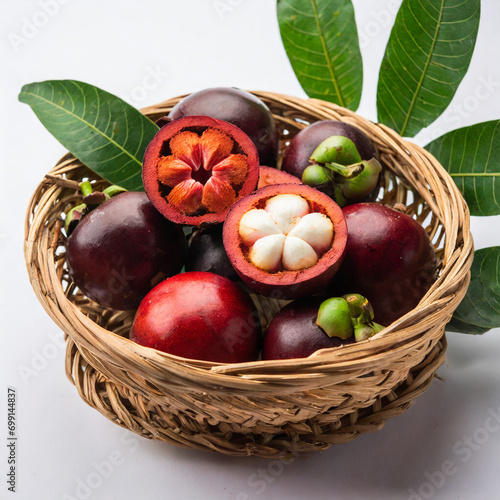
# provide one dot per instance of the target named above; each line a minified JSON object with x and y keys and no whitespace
{"x":121,"y":249}
{"x":302,"y":146}
{"x":206,"y":252}
{"x":239,"y":107}
{"x":294,"y":332}
{"x":389,"y":259}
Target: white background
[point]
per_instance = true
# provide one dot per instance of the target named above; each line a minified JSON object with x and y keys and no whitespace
{"x":190,"y":45}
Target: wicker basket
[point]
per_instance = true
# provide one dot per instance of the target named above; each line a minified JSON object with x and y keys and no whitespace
{"x":263,"y":408}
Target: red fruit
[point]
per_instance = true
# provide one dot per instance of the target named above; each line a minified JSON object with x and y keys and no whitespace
{"x":285,"y":240}
{"x":270,"y":175}
{"x":389,"y":259}
{"x":201,"y":316}
{"x":302,"y":146}
{"x":195,"y":168}
{"x":121,"y":249}
{"x":293,"y":332}
{"x":240,"y":108}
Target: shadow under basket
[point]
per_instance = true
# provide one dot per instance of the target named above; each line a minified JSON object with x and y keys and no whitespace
{"x":261,"y":408}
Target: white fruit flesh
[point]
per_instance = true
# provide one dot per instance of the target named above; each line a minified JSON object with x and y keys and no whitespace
{"x":285,"y":235}
{"x":266,"y":252}
{"x":297,"y":254}
{"x":316,"y":229}
{"x":256,"y":224}
{"x":286,"y":210}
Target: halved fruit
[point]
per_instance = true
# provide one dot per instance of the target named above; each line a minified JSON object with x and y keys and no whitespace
{"x":285,"y":240}
{"x":271,"y":175}
{"x":196,"y":167}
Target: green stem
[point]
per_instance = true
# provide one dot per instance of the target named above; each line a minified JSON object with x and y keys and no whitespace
{"x":86,"y":188}
{"x":346,"y":171}
{"x":113,"y":190}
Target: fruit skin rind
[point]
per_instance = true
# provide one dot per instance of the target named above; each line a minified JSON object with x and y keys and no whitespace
{"x":286,"y":284}
{"x":154,"y":151}
{"x":270,"y":175}
{"x":199,"y":315}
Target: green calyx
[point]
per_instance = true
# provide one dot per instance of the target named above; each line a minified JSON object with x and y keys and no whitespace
{"x":90,"y":199}
{"x":73,"y":217}
{"x":113,"y":190}
{"x":362,"y":315}
{"x":316,"y":175}
{"x":334,"y":318}
{"x":336,"y":167}
{"x":363,"y":183}
{"x":336,"y":149}
{"x":346,"y":316}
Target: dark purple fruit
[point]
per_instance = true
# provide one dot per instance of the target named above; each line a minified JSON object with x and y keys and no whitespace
{"x":302,"y":146}
{"x":389,"y":260}
{"x":293,"y":332}
{"x":121,"y":249}
{"x":206,"y":252}
{"x":240,"y":108}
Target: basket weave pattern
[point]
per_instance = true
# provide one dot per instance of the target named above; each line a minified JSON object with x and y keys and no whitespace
{"x":259,"y":408}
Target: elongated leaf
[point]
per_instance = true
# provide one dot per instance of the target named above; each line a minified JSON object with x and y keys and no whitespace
{"x":101,"y":130}
{"x":479,"y":311}
{"x":471,"y":155}
{"x":428,"y":54}
{"x":321,"y":41}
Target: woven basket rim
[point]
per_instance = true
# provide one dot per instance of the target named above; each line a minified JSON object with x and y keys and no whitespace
{"x":398,"y":337}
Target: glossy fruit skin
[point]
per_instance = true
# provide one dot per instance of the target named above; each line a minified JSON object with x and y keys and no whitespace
{"x":293,"y":332}
{"x":389,"y":259}
{"x":206,"y":252}
{"x":302,"y":146}
{"x":158,"y":147}
{"x":286,"y":284}
{"x":119,"y":251}
{"x":200,"y":316}
{"x":240,"y":108}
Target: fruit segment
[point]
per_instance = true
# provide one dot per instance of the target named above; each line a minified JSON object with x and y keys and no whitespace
{"x":256,"y":224}
{"x":196,"y":167}
{"x":285,"y":235}
{"x":287,"y":210}
{"x":202,"y":171}
{"x":267,"y":251}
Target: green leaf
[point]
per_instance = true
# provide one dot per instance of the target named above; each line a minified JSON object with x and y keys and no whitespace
{"x":321,"y":41}
{"x":427,"y":55}
{"x":479,"y":311}
{"x":101,"y":130}
{"x":471,"y":155}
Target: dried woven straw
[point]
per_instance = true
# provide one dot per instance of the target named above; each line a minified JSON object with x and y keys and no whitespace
{"x":263,"y":408}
